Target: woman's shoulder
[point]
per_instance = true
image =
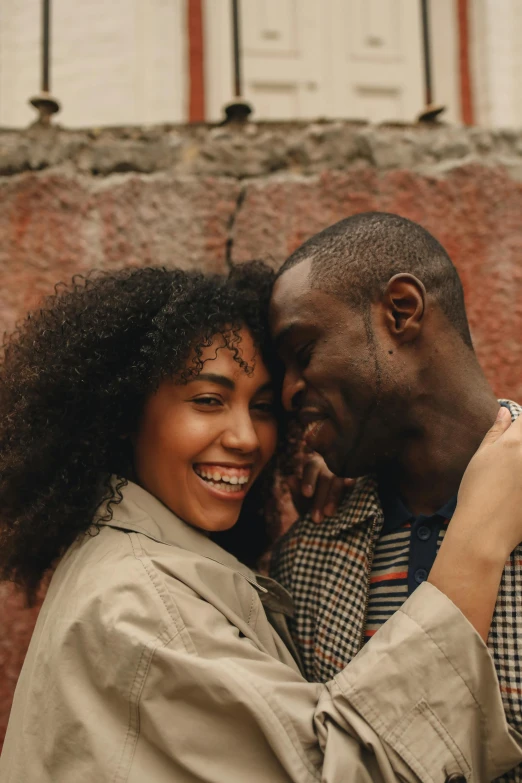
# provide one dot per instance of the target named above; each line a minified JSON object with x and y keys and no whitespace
{"x":123,"y":582}
{"x":104,"y":583}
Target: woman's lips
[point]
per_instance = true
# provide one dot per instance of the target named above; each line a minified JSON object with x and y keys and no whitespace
{"x":228,"y":474}
{"x":224,"y":481}
{"x":230,"y":492}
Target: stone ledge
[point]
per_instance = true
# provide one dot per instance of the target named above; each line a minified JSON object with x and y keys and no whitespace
{"x":258,"y":149}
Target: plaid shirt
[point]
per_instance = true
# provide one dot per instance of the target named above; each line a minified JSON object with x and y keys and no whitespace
{"x":327,"y":570}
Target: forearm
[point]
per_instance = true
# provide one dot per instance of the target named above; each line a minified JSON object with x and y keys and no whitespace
{"x":426,"y":685}
{"x":469,"y":571}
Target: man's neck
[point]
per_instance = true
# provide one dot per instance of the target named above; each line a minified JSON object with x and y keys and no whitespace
{"x":450,"y":426}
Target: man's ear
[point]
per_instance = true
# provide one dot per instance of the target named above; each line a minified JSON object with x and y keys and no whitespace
{"x":404,"y":303}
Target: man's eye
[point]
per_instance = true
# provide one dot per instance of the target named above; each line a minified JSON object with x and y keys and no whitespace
{"x":304,"y":354}
{"x":265,"y":407}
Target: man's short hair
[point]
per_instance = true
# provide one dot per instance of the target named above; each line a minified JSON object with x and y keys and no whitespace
{"x":355,"y":258}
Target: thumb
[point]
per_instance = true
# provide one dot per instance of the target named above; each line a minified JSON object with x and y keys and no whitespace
{"x":500,"y":425}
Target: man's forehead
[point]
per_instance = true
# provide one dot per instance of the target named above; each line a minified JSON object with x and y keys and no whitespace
{"x":296,"y":278}
{"x":291,"y":291}
{"x":297,"y":306}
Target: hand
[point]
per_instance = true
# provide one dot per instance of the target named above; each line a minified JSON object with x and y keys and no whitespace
{"x":490,"y":496}
{"x":486,"y":525}
{"x":317,"y":491}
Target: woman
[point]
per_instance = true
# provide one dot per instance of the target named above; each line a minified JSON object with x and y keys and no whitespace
{"x":142,"y":408}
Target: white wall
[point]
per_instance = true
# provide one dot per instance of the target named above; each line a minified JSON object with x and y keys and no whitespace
{"x":496,"y":48}
{"x":19,"y":60}
{"x":117,"y":62}
{"x":113,"y":62}
{"x":445,"y":57}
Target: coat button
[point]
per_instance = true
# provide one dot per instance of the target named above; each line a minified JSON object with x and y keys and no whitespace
{"x":456,"y":777}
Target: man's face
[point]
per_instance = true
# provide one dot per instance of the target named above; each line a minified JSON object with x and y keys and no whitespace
{"x":338,"y":374}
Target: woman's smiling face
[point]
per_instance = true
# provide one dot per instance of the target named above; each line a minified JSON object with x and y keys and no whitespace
{"x":201,"y":445}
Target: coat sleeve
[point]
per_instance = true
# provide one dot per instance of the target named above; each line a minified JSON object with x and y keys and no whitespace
{"x":421,"y":702}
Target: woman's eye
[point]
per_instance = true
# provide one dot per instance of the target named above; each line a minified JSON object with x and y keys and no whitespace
{"x":208,"y":402}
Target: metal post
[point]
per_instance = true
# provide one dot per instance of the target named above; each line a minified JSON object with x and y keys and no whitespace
{"x":237,"y":47}
{"x":427,"y":52}
{"x":44,"y":103}
{"x":238,"y":110}
{"x":46,"y":44}
{"x":431,"y":111}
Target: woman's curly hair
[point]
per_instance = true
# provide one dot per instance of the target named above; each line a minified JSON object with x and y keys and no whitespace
{"x":73,"y":381}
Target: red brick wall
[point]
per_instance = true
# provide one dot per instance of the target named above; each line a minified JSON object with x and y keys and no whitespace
{"x":211,"y":196}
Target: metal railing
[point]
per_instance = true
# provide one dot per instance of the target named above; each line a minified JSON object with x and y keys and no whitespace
{"x":44,"y":103}
{"x":238,"y":109}
{"x":431,"y":110}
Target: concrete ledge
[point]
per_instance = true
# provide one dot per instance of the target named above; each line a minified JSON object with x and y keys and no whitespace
{"x":258,"y":150}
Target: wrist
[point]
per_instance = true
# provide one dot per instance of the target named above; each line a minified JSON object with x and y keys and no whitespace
{"x":468,"y":569}
{"x":480,"y":544}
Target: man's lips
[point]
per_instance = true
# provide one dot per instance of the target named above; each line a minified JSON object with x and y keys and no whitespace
{"x":312,"y":430}
{"x":310,"y":416}
{"x":313,"y":419}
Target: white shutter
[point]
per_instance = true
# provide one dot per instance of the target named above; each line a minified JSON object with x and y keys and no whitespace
{"x":319,"y":58}
{"x":377,"y":69}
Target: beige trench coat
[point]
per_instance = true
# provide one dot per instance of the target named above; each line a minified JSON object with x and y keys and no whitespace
{"x":154,"y":661}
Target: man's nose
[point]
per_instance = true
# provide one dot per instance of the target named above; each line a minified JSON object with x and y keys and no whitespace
{"x":293,"y":388}
{"x":240,"y":434}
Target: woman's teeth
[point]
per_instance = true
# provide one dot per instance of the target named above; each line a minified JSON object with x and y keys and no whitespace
{"x":222,"y":477}
{"x":223,"y":481}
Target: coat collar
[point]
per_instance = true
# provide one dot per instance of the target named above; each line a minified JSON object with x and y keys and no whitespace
{"x":141,"y":512}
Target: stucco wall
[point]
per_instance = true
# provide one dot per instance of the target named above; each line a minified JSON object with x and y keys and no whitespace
{"x":70,"y":201}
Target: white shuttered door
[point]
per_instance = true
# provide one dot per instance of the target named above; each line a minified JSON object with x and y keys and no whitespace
{"x":303,"y":59}
{"x":377,"y":67}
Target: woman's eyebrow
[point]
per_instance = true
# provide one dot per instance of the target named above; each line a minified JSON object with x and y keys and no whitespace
{"x":268,"y":386}
{"x":221,"y":380}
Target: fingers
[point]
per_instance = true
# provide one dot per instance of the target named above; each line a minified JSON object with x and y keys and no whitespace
{"x":311,"y":472}
{"x":500,"y":425}
{"x":338,"y":490}
{"x":515,"y":428}
{"x":323,"y":490}
{"x":330,"y":491}
{"x":301,"y":504}
{"x":321,"y":497}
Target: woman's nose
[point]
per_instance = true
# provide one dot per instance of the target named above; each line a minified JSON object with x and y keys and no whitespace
{"x":241,"y":434}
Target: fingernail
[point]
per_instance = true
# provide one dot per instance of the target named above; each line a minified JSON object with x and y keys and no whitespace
{"x":308,"y":490}
{"x":503,"y":413}
{"x":317,"y":517}
{"x":329,"y":510}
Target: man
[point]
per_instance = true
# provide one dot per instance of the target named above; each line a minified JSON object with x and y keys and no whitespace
{"x":369,"y":318}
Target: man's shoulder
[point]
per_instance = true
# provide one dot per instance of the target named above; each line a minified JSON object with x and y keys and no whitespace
{"x":359,"y":504}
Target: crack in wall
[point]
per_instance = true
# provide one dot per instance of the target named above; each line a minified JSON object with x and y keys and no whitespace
{"x":231,"y":226}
